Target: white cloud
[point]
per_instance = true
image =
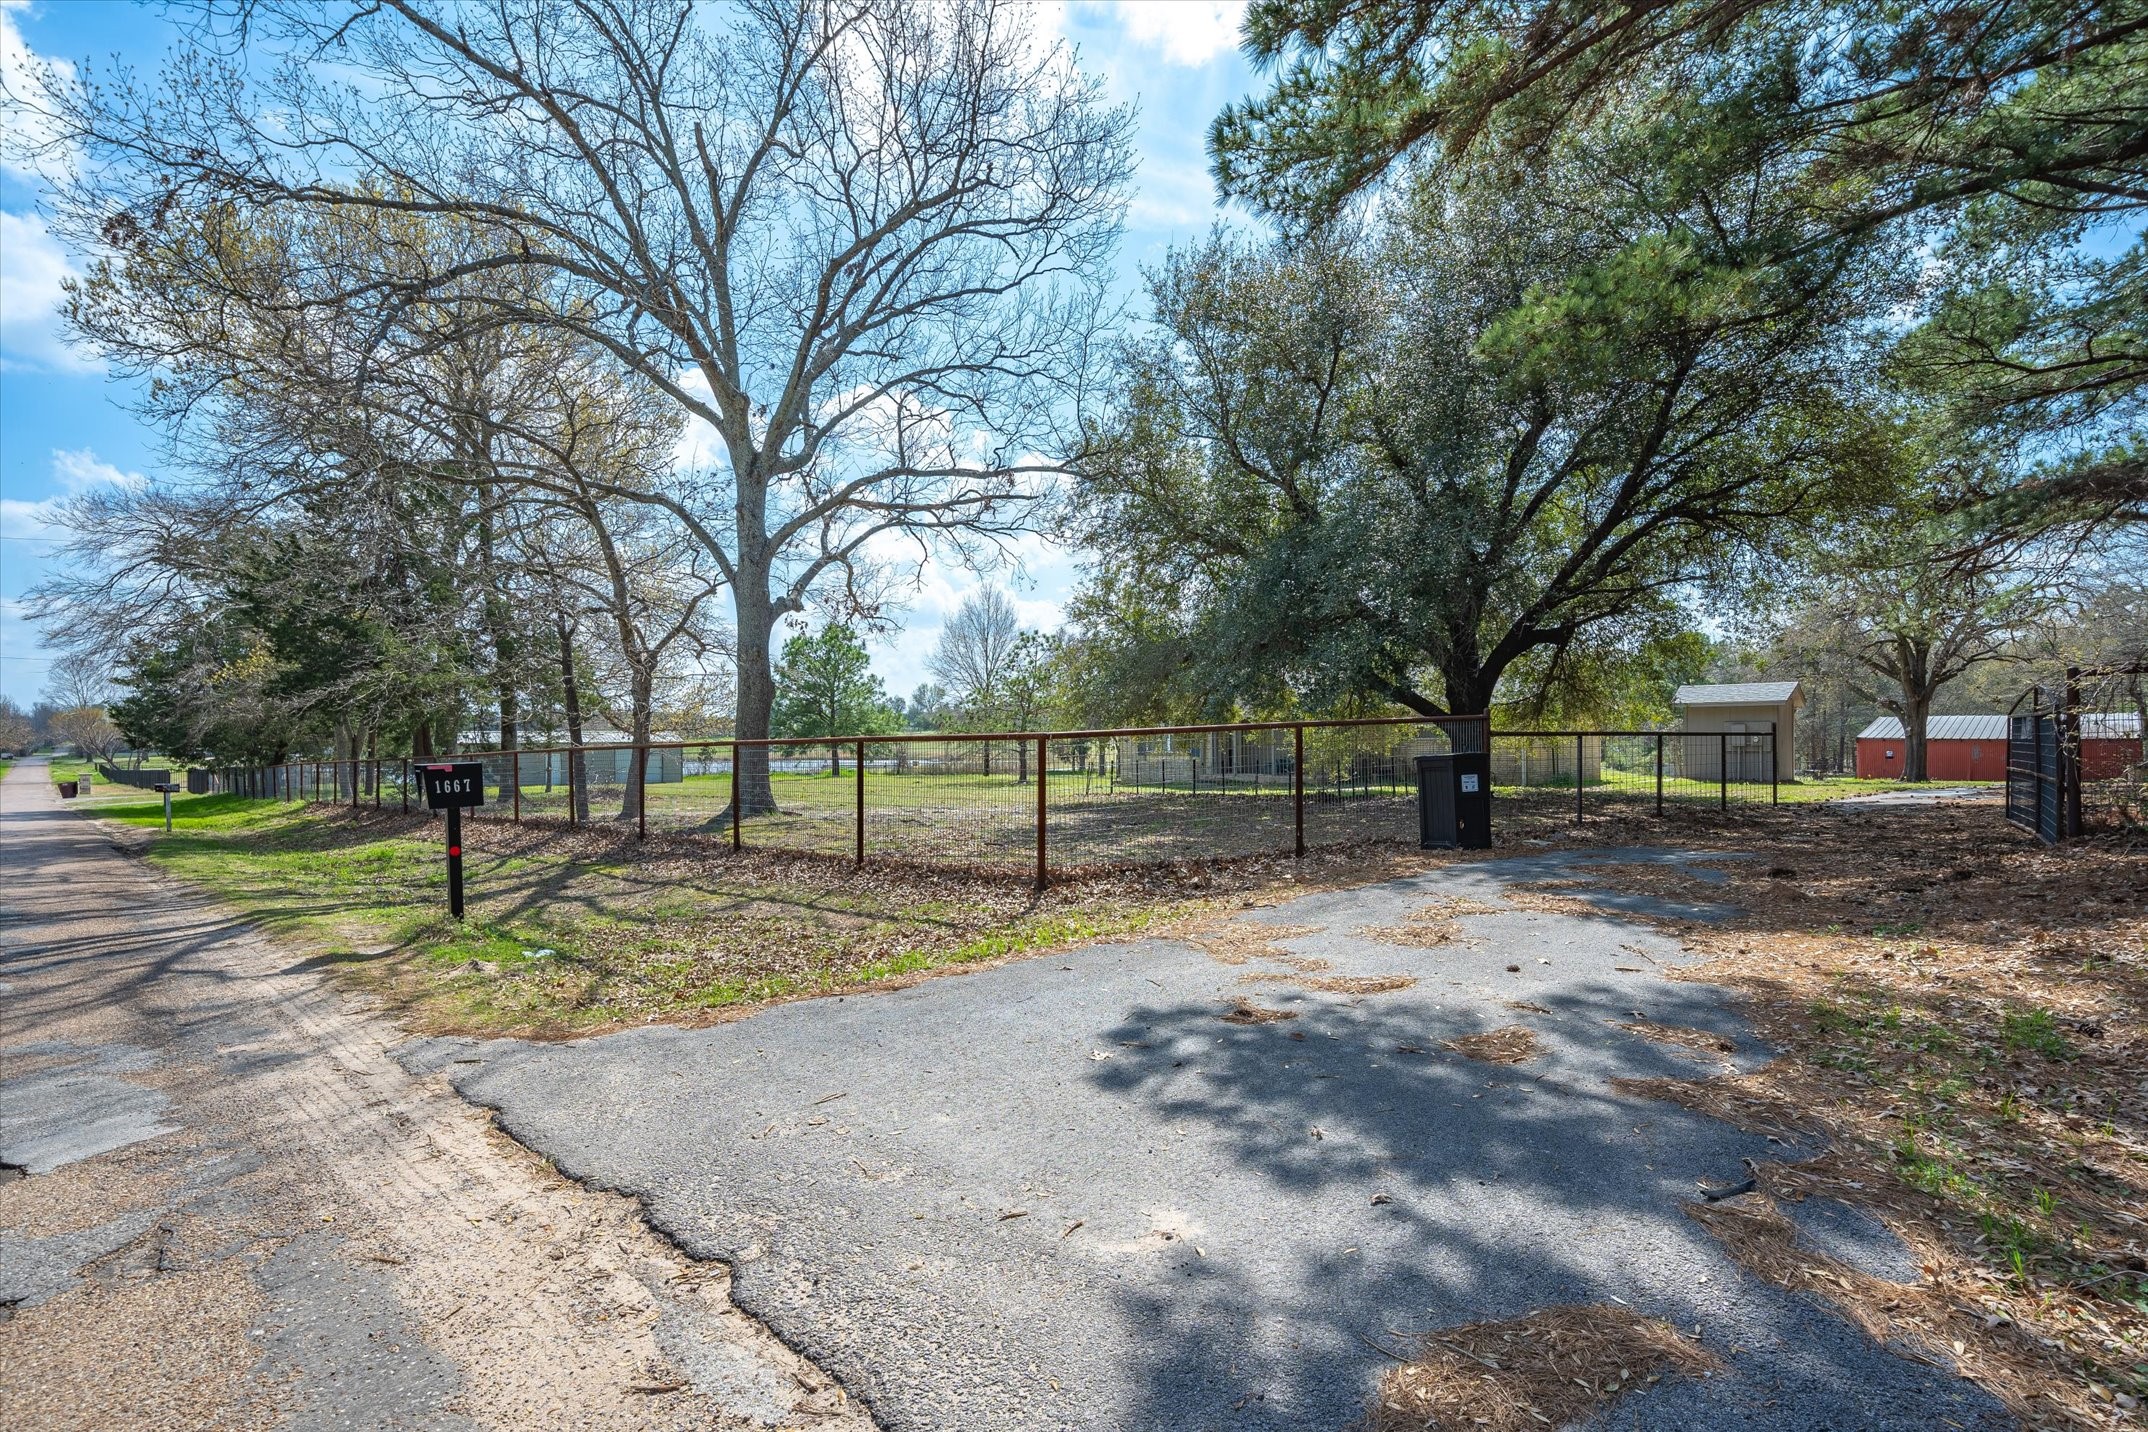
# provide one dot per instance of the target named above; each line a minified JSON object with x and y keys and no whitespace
{"x":1183,"y":32}
{"x":25,"y":72}
{"x":80,"y":469}
{"x":32,"y":264}
{"x":76,"y":471}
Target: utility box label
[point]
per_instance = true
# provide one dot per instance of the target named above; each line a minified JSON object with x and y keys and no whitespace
{"x":456,"y":785}
{"x":1469,"y":783}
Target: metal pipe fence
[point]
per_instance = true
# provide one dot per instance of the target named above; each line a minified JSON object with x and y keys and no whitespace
{"x":1058,"y":801}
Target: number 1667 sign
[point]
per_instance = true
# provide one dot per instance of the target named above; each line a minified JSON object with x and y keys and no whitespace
{"x":454,"y":786}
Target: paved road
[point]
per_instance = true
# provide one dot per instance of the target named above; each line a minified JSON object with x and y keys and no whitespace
{"x":1202,"y":1240}
{"x":223,"y":1205}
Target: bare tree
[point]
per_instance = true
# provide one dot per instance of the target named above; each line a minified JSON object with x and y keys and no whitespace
{"x":17,"y":731}
{"x":1923,"y":619}
{"x":80,"y":679}
{"x":975,"y":651}
{"x":864,"y":244}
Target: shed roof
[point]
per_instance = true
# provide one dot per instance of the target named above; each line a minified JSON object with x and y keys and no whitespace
{"x":2095,"y":725}
{"x":1940,"y":728}
{"x":1737,"y":693}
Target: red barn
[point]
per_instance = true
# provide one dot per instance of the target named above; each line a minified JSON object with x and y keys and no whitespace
{"x":1973,"y":748}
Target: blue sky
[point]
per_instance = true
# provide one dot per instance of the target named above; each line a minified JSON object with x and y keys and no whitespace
{"x":64,"y":424}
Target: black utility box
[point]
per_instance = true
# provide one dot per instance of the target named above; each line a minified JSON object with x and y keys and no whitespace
{"x":1454,"y":801}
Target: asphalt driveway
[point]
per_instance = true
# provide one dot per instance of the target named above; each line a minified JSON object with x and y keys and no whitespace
{"x":1064,"y":1193}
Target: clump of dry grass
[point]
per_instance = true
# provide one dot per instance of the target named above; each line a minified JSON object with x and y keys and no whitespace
{"x":1238,"y":942}
{"x":1698,"y":1040}
{"x":1359,"y":984}
{"x":1544,"y":1369}
{"x":1509,"y":1044}
{"x":1333,"y":984}
{"x":1431,"y":925}
{"x":1244,"y":1011}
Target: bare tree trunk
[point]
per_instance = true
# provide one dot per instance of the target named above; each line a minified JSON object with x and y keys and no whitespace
{"x":752,"y":794}
{"x":571,"y":699}
{"x":500,"y":628}
{"x":639,"y":719}
{"x":1916,"y":715}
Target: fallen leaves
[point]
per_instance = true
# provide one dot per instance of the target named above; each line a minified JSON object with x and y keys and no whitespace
{"x":1509,"y":1044}
{"x":1244,"y":1011}
{"x":1544,"y":1369}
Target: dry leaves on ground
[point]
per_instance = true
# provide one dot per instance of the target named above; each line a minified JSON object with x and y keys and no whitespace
{"x":1244,"y":1011}
{"x":1238,"y":942}
{"x":1698,"y":1040}
{"x":1965,"y":1015}
{"x":1433,"y":924}
{"x":1509,"y":1044}
{"x":1544,"y":1369}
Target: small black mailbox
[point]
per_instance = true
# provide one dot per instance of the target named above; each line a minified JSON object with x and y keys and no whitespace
{"x":1454,"y":801}
{"x":454,"y":785}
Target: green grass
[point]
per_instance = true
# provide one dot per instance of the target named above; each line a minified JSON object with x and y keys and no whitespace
{"x":625,"y":945}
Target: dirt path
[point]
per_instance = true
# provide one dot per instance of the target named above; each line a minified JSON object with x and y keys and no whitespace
{"x":223,"y":1203}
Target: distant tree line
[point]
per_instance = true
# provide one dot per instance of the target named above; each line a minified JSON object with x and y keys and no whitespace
{"x":517,"y":389}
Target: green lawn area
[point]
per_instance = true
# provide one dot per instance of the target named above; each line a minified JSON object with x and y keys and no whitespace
{"x":1827,"y":788}
{"x":572,"y":931}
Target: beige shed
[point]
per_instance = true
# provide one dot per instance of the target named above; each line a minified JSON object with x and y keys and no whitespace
{"x":1745,"y":710}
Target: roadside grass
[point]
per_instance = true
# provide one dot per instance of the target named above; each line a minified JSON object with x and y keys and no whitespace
{"x":1964,"y":1016}
{"x":574,"y":931}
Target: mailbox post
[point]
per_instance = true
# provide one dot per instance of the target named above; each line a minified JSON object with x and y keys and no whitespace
{"x":167,"y":788}
{"x":453,"y":786}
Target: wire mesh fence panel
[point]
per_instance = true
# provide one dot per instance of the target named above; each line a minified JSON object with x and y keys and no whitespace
{"x":954,"y":800}
{"x":1361,"y":781}
{"x":1578,"y":770}
{"x":1153,"y":798}
{"x":688,"y":788}
{"x":604,"y":785}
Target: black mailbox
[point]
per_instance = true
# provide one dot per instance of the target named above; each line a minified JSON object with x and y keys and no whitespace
{"x":455,"y":785}
{"x":1454,"y":801}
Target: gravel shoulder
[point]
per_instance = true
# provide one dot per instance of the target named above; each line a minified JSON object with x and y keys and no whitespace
{"x":223,"y":1204}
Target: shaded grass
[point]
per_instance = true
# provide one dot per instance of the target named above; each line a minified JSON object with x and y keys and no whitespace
{"x":576,"y":931}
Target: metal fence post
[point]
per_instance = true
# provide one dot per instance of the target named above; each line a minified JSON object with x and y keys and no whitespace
{"x":1659,"y":773}
{"x":1580,"y":756}
{"x":406,"y":785}
{"x":514,"y":763}
{"x":2069,"y":747}
{"x":1775,"y":769}
{"x":1722,"y":769}
{"x":1297,"y":788}
{"x":641,"y":800}
{"x":738,"y":811}
{"x":859,"y":772}
{"x":1042,"y":873}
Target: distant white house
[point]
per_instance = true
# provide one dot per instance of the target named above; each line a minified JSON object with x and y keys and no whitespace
{"x":1743,"y":710}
